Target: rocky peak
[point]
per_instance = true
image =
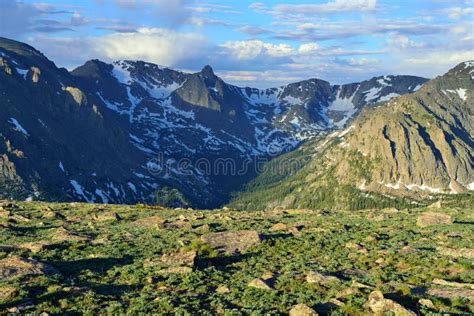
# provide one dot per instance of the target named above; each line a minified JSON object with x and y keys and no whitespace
{"x":207,"y":72}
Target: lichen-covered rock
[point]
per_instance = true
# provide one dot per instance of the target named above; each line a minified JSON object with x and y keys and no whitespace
{"x":320,"y":278}
{"x":17,"y":266}
{"x":457,"y":253}
{"x":232,"y":242}
{"x":150,"y":222}
{"x":7,"y":293}
{"x":106,"y":216}
{"x":222,"y":289}
{"x":259,"y":284}
{"x":35,"y":246}
{"x":63,"y":234}
{"x":302,"y":310}
{"x":279,"y":227}
{"x":433,"y":218}
{"x":451,"y":293}
{"x":427,"y":303}
{"x":177,"y":270}
{"x":186,"y":258}
{"x":381,"y":306}
{"x":453,"y":284}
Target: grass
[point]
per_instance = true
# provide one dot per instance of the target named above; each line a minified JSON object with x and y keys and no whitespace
{"x":105,"y":272}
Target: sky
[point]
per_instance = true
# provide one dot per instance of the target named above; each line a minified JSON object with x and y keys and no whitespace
{"x":252,"y":43}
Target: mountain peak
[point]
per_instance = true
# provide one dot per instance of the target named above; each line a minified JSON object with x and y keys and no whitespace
{"x":208,"y":72}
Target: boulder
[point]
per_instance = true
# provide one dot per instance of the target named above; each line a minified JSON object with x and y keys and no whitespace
{"x":222,"y":289}
{"x":451,"y":293}
{"x":177,"y":270}
{"x":7,"y":293}
{"x":453,"y":284}
{"x":467,"y":253}
{"x":52,"y":214}
{"x":279,"y":227}
{"x":150,"y":222}
{"x":179,"y":259}
{"x":35,"y":246}
{"x":259,"y":284}
{"x":178,"y":224}
{"x":232,"y":242}
{"x":315,"y":277}
{"x":426,"y":303}
{"x":268,"y":275}
{"x":62,"y":234}
{"x":17,"y":266}
{"x":382,"y":306}
{"x":106,"y":216}
{"x":433,"y":218}
{"x":302,"y":310}
{"x":177,"y":262}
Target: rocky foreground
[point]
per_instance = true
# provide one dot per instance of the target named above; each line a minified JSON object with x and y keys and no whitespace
{"x":107,"y":259}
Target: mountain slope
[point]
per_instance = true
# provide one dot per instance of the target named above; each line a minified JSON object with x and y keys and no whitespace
{"x":46,"y":122}
{"x":410,"y":147}
{"x":128,"y":131}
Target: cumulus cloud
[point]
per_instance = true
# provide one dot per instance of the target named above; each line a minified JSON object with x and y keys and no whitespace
{"x":458,"y":12}
{"x":251,"y":49}
{"x":309,"y":48}
{"x":400,"y":41}
{"x":157,"y":45}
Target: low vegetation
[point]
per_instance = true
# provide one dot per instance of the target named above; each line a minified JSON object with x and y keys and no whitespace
{"x":106,"y":259}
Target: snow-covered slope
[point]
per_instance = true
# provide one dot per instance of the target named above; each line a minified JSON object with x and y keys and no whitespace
{"x":126,"y":131}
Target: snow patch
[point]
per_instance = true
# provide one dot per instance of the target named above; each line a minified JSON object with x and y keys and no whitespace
{"x":388,"y":97}
{"x":18,"y":126}
{"x":292,"y":100}
{"x":132,"y":187}
{"x":372,"y":93}
{"x":347,"y":130}
{"x":342,"y":104}
{"x":460,"y":92}
{"x":102,"y":195}
{"x":417,"y":87}
{"x":22,"y":72}
{"x":79,"y":190}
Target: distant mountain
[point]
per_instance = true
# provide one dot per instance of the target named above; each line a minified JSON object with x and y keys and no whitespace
{"x":412,"y":146}
{"x":118,"y":133}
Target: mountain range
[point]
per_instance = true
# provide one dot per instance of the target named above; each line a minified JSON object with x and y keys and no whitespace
{"x":132,"y":131}
{"x":400,"y":152}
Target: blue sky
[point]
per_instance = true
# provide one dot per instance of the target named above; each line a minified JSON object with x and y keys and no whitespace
{"x":253,"y":43}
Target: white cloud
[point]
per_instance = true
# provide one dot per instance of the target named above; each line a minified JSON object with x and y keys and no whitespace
{"x":252,"y":30}
{"x":156,"y":45}
{"x":458,"y":12}
{"x":308,"y":48}
{"x":251,"y":49}
{"x":400,"y":41}
{"x":336,"y":6}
